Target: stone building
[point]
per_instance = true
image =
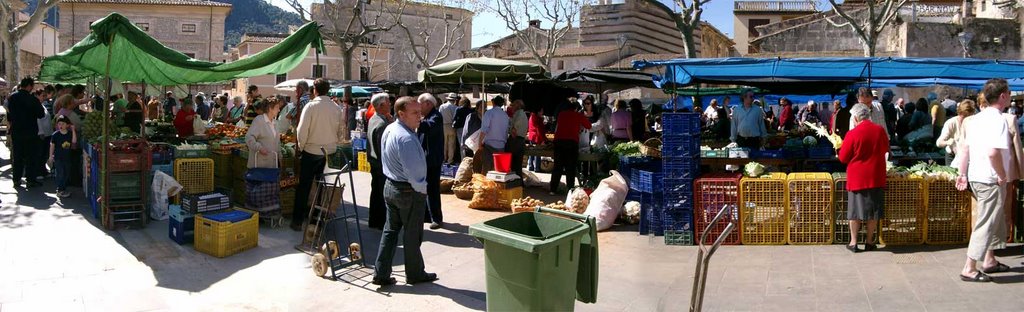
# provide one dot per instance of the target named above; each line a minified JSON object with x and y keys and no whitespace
{"x":36,"y":45}
{"x":749,"y":15}
{"x":418,"y":17}
{"x":511,"y":45}
{"x":371,"y":66}
{"x":194,"y":27}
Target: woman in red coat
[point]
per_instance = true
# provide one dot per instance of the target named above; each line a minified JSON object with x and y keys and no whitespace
{"x":863,"y":151}
{"x":537,"y":135}
{"x":183,"y":120}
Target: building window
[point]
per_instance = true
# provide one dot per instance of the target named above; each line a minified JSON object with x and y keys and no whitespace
{"x":143,"y":26}
{"x":319,"y":70}
{"x":188,"y":28}
{"x":752,"y":26}
{"x":364,"y":73}
{"x":561,"y":65}
{"x":448,"y":16}
{"x":190,"y":55}
{"x":281,"y":78}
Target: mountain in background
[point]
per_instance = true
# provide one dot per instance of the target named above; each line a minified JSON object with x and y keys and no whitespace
{"x":247,"y":16}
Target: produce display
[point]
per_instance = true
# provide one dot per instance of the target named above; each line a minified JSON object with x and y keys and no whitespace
{"x":753,"y":170}
{"x":833,"y":138}
{"x":558,"y":205}
{"x":631,"y":212}
{"x":188,"y":147}
{"x":485,"y":195}
{"x":288,"y":138}
{"x":924,"y":170}
{"x":225,"y":131}
{"x":627,"y":149}
{"x":577,"y":201}
{"x":525,"y":204}
{"x":93,"y":129}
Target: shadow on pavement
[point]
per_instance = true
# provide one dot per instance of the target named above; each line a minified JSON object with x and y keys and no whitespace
{"x":467,"y":298}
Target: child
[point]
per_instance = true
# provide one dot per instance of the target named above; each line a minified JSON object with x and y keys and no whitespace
{"x":60,"y":148}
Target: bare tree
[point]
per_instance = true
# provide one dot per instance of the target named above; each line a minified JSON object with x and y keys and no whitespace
{"x":868,"y":20}
{"x":542,"y":43}
{"x":12,"y":31}
{"x":687,"y":20}
{"x":443,"y":27}
{"x":348,"y":24}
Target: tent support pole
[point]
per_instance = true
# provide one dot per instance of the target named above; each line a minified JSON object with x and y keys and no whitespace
{"x":104,"y":178}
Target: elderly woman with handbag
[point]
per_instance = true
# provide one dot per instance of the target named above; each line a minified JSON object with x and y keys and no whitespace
{"x":262,"y":188}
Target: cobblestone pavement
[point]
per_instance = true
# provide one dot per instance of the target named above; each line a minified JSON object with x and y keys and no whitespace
{"x":55,"y":257}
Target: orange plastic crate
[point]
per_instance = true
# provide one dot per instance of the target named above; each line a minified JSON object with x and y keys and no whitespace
{"x":949,"y":214}
{"x":809,"y":208}
{"x":763,"y":210}
{"x":904,"y":221}
{"x":713,"y":193}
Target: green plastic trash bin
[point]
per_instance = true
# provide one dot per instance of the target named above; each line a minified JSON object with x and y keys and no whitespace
{"x":539,"y":262}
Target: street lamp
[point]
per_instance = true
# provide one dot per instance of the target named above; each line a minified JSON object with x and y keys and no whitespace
{"x":965,"y":41}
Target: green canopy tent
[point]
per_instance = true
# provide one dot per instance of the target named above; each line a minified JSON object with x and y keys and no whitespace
{"x":141,"y":59}
{"x":357,"y":92}
{"x":482,"y":70}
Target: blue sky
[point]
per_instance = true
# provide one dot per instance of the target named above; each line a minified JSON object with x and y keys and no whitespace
{"x":716,"y":12}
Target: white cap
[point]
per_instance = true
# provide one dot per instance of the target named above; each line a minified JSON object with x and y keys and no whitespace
{"x":810,"y":102}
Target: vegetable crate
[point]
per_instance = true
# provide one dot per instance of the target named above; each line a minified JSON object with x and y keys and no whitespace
{"x":167,"y":169}
{"x":194,"y":174}
{"x":840,"y":204}
{"x":125,"y":187}
{"x":627,"y":163}
{"x":678,"y":194}
{"x":949,"y":213}
{"x":714,"y":192}
{"x":904,"y":222}
{"x":763,"y":210}
{"x":117,"y":216}
{"x":505,"y":197}
{"x":650,"y":214}
{"x":677,"y":227}
{"x":645,"y":181}
{"x":364,"y":165}
{"x":680,"y":123}
{"x":359,"y":144}
{"x":336,"y":161}
{"x":287,"y":202}
{"x":181,"y":232}
{"x":680,"y":146}
{"x":192,"y":153}
{"x":200,"y":203}
{"x":221,"y":164}
{"x":680,"y":168}
{"x":224,"y":234}
{"x":809,"y":209}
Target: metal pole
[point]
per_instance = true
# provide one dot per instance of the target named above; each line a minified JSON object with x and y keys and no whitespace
{"x":106,"y":130}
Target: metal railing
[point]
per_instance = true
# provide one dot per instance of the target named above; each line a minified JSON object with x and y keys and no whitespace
{"x":774,"y":6}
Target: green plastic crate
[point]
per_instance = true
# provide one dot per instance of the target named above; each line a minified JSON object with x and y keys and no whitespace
{"x":126,"y":186}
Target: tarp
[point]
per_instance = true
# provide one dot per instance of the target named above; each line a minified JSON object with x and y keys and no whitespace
{"x":686,"y":102}
{"x":598,"y":81}
{"x":482,"y":70}
{"x":137,"y":57}
{"x":973,"y":84}
{"x":357,"y":92}
{"x":754,"y":71}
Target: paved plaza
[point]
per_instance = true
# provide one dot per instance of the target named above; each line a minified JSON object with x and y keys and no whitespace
{"x":55,"y":257}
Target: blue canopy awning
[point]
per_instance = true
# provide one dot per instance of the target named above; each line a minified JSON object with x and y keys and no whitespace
{"x":1016,"y":84}
{"x":755,"y":71}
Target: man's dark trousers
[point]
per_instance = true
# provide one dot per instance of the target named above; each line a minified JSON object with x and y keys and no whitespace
{"x":433,"y":212}
{"x":311,"y":166}
{"x":405,"y":208}
{"x":24,"y":160}
{"x":378,"y":210}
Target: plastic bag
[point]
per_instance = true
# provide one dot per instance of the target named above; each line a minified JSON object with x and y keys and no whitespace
{"x":485,"y":194}
{"x":163,"y":186}
{"x":473,"y":141}
{"x":198,"y":126}
{"x":465,"y":172}
{"x":531,"y":179}
{"x":577,"y":200}
{"x":606,"y":201}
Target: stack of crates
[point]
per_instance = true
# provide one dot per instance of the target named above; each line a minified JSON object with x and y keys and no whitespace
{"x":222,"y":169}
{"x":226,"y":233}
{"x":949,"y":213}
{"x":239,"y":164}
{"x":195,"y":176}
{"x":680,"y":153}
{"x":715,"y":192}
{"x":904,"y":219}
{"x":180,"y":225}
{"x":646,"y":182}
{"x":763,"y":210}
{"x":840,"y":199}
{"x":363,"y":164}
{"x":809,"y":211}
{"x":127,"y":172}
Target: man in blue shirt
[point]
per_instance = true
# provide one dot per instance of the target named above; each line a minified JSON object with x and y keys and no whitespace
{"x":432,"y":135}
{"x":493,"y":133}
{"x":405,"y":194}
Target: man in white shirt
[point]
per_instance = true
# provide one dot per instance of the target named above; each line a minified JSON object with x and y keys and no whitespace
{"x":320,"y":128}
{"x":987,"y":148}
{"x":864,"y":97}
{"x":711,"y":114}
{"x":448,"y":116}
{"x":748,"y":129}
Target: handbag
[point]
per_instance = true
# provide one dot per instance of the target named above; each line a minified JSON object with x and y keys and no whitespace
{"x":262,"y":174}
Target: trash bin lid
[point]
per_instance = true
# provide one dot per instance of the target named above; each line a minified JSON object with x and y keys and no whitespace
{"x":527,"y":231}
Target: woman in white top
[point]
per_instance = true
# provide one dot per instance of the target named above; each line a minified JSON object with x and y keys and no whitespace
{"x":952,"y":132}
{"x":262,"y":137}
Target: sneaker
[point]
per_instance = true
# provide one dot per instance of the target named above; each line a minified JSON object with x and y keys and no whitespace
{"x":435,"y":225}
{"x":64,"y":194}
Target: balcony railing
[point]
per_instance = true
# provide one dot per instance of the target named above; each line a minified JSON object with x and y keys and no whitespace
{"x":774,"y":6}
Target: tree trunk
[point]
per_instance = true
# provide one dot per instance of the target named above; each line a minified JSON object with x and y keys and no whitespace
{"x":689,"y":48}
{"x":869,"y":47}
{"x":12,"y":64}
{"x":346,"y":57}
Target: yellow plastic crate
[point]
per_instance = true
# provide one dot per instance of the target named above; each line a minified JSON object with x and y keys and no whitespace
{"x":949,"y":214}
{"x":904,"y":222}
{"x":809,"y":208}
{"x":763,"y":210}
{"x":194,"y":174}
{"x":506,"y":196}
{"x":364,"y":165}
{"x":222,"y":239}
{"x":840,"y":199}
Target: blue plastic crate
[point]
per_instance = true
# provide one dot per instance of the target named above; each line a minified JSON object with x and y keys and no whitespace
{"x":176,"y":213}
{"x":650,"y":214}
{"x":677,"y":202}
{"x":767,"y":154}
{"x":181,"y":232}
{"x":680,"y":146}
{"x":645,"y":181}
{"x":627,"y":163}
{"x":163,"y":156}
{"x":633,"y":196}
{"x":449,"y":170}
{"x":230,"y":216}
{"x":359,"y":144}
{"x":677,"y":220}
{"x":677,"y":186}
{"x":821,"y":152}
{"x":680,"y":123}
{"x":794,"y":153}
{"x":680,"y":168}
{"x":166,"y":169}
{"x":95,"y":205}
